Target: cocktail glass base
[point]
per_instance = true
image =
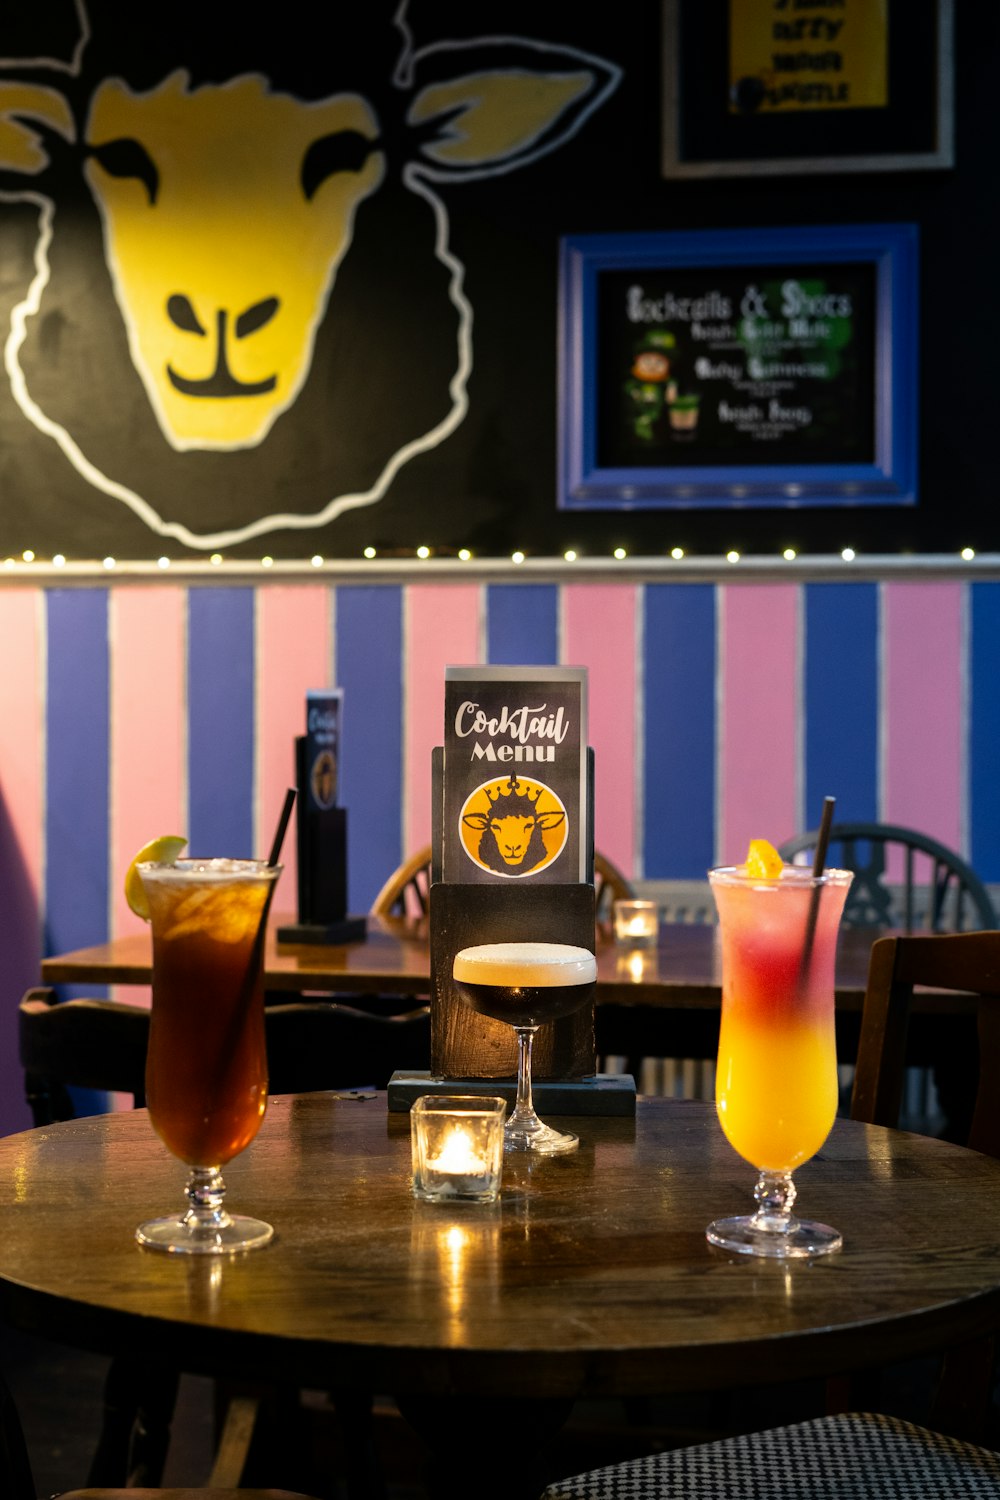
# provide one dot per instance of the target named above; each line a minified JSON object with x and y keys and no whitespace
{"x":531,"y":1134}
{"x":205,"y":1228}
{"x":794,"y":1239}
{"x":773,"y":1230}
{"x":237,"y":1232}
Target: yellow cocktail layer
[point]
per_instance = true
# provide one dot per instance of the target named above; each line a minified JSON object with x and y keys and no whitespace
{"x":776,"y":1088}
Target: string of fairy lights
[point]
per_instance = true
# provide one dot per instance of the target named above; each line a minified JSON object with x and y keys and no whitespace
{"x":30,"y":560}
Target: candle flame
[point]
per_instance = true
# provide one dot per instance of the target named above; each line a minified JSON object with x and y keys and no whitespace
{"x":458,"y":1154}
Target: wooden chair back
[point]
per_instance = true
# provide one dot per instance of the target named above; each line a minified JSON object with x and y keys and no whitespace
{"x":610,"y":885}
{"x":89,"y":1044}
{"x":968,"y":963}
{"x":101,"y":1044}
{"x":934,"y":890}
{"x":407,"y":890}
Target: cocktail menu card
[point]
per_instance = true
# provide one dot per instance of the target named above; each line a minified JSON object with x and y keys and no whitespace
{"x":323,"y":718}
{"x":515,"y":775}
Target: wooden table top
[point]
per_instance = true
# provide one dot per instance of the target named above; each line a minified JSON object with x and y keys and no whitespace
{"x":684,"y":971}
{"x":394,"y":958}
{"x":592,"y":1276}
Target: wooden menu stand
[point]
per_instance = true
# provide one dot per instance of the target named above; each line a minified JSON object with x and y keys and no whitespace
{"x":469,"y":1051}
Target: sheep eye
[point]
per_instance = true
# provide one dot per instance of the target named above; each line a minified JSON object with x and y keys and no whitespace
{"x":343,"y":151}
{"x":127,"y":158}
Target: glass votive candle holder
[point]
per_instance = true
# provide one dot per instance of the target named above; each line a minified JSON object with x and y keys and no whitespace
{"x":637,"y":923}
{"x":457,"y":1145}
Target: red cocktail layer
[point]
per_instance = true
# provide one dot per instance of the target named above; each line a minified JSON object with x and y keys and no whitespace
{"x":776,"y":1080}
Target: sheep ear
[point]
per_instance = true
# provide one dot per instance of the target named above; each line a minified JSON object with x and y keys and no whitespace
{"x":550,"y":819}
{"x":478,"y":820}
{"x":517,"y":101}
{"x":22,"y":107}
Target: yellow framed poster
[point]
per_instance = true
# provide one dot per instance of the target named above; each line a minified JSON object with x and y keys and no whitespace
{"x":754,"y":87}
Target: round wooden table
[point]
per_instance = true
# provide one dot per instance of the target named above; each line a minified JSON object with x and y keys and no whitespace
{"x":592,"y":1276}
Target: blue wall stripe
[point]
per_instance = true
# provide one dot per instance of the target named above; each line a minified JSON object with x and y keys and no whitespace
{"x":841,"y":700}
{"x":984,"y":731}
{"x":76,"y":783}
{"x":220,"y":670}
{"x":369,"y":668}
{"x":522,"y":624}
{"x":679,"y":731}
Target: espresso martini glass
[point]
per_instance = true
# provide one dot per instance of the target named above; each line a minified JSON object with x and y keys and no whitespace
{"x":527,"y":985}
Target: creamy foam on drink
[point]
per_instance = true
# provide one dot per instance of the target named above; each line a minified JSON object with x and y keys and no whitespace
{"x":538,"y":965}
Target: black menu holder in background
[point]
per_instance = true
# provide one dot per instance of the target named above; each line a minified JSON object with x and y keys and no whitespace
{"x":471,"y":1053}
{"x":321,"y":847}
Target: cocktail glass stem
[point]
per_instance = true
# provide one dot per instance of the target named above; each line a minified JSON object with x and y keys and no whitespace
{"x":523,"y":1114}
{"x":205,"y":1192}
{"x":524,"y":1131}
{"x":774,"y":1195}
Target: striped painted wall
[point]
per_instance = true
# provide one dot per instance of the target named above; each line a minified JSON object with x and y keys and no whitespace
{"x":718,"y":711}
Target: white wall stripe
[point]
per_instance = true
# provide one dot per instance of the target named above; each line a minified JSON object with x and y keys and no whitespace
{"x":482,"y":624}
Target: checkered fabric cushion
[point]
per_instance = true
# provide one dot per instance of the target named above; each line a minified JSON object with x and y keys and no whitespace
{"x":851,"y":1457}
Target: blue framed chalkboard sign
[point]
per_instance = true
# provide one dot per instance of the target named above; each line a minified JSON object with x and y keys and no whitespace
{"x":745,"y":367}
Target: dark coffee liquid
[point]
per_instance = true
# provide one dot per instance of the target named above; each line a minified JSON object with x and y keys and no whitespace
{"x":525,"y":1004}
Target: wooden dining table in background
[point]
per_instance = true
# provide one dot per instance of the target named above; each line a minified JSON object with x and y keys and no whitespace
{"x":591,"y":1277}
{"x":683,"y":971}
{"x":652,"y":1002}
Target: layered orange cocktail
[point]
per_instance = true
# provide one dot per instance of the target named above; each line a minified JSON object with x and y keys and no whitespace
{"x":776,"y":1078}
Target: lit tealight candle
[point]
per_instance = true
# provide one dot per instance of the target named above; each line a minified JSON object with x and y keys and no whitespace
{"x":457,"y":1143}
{"x":458,"y":1156}
{"x":636,"y":923}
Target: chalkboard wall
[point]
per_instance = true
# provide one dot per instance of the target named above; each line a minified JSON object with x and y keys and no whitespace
{"x":489,"y":482}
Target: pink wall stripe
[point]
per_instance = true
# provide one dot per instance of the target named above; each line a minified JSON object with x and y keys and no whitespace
{"x":922,"y":696}
{"x":294,"y":654}
{"x":21,"y":824}
{"x":441,"y":629}
{"x":758,"y":759}
{"x":148,"y":790}
{"x":598,"y":632}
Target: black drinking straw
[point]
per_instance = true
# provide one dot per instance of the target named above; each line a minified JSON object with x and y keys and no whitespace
{"x":819,"y":864}
{"x":247,"y":986}
{"x":279,"y":835}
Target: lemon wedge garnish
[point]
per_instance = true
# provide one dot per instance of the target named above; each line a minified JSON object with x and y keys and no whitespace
{"x":163,"y":851}
{"x":763,"y":860}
